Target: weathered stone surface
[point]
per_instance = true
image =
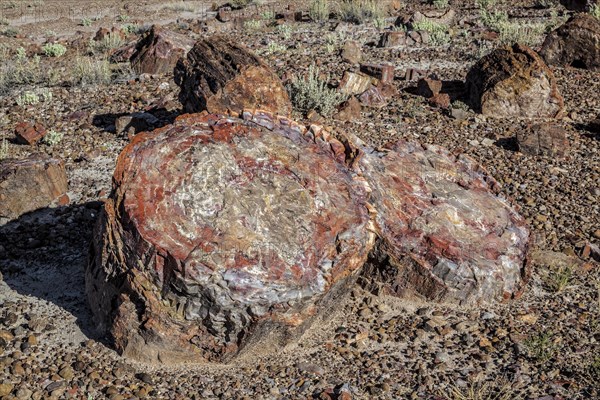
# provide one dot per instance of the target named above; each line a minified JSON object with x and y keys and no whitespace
{"x":445,"y":233}
{"x":351,"y":52}
{"x":514,"y":82}
{"x":222,"y":230}
{"x":349,"y":110}
{"x":383,"y":72}
{"x":439,"y":17}
{"x":429,"y":87}
{"x":222,"y":77}
{"x":440,"y":100}
{"x":392,"y":39}
{"x":135,"y":123}
{"x":159,"y":50}
{"x":29,"y":184}
{"x":579,"y":5}
{"x":356,"y":83}
{"x":574,"y":44}
{"x":30,"y":134}
{"x":223,"y":233}
{"x":544,"y":138}
{"x":373,"y":97}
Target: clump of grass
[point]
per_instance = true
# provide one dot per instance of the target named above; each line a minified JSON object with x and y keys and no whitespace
{"x":4,"y":149}
{"x":285,"y":31}
{"x":27,"y":98}
{"x":541,"y":347}
{"x":130,"y":28}
{"x":595,"y":10}
{"x":275,"y":47}
{"x":310,"y":92}
{"x":440,"y":4}
{"x":559,"y":278}
{"x":123,"y":18}
{"x":179,"y":7}
{"x":91,"y":71}
{"x":485,"y":4}
{"x":438,"y":33}
{"x":319,"y":10}
{"x":331,"y":42}
{"x":86,"y":22}
{"x":268,"y":15}
{"x":253,"y":25}
{"x":361,"y":11}
{"x":52,"y":137}
{"x":494,"y":19}
{"x":499,"y":389}
{"x":54,"y":49}
{"x":108,"y":43}
{"x":524,"y":33}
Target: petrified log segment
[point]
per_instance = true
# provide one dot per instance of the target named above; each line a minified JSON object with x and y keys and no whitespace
{"x":221,"y":229}
{"x":579,"y":5}
{"x":222,"y":77}
{"x":574,"y":44}
{"x":29,"y":184}
{"x":444,"y":233}
{"x":159,"y":50}
{"x":514,"y":82}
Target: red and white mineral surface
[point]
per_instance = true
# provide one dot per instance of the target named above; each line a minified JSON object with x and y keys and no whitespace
{"x":223,"y":233}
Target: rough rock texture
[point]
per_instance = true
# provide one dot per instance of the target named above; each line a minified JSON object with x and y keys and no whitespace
{"x":514,"y":82}
{"x":445,"y":233}
{"x":351,"y":52}
{"x":223,"y":77}
{"x":356,"y":82}
{"x":439,"y":17}
{"x":545,"y":139}
{"x":159,"y":50}
{"x":30,"y":134}
{"x":224,"y":232}
{"x":29,"y":184}
{"x":579,"y":5}
{"x":574,"y":44}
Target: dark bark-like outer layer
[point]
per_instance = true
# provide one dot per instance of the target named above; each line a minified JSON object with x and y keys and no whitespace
{"x":219,"y":229}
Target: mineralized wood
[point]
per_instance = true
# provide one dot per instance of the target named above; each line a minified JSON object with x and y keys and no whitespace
{"x":514,"y":82}
{"x":220,"y":231}
{"x":29,"y":184}
{"x":574,"y":44}
{"x":159,"y":50}
{"x":223,"y":77}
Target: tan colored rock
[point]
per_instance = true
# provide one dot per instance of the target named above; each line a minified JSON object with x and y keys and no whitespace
{"x":514,"y":82}
{"x":349,"y":111}
{"x":353,"y":83}
{"x":352,"y":52}
{"x":223,"y":77}
{"x":574,"y":44}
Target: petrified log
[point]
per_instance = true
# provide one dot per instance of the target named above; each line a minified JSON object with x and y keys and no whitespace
{"x":159,"y":50}
{"x":29,"y":184}
{"x":220,"y":230}
{"x":445,"y":234}
{"x":543,"y":139}
{"x":574,"y":44}
{"x":224,"y":232}
{"x":222,"y":77}
{"x":514,"y":82}
{"x":579,"y":5}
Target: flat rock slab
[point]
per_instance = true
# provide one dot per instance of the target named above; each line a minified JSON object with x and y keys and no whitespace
{"x":222,"y":77}
{"x":220,"y":230}
{"x":514,"y":82}
{"x":225,"y":233}
{"x":574,"y":44}
{"x":29,"y":184}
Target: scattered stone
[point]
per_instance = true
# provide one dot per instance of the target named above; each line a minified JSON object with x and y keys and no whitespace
{"x":383,"y":72}
{"x":429,"y":87}
{"x":354,"y":83}
{"x":392,"y":39}
{"x":158,"y":51}
{"x":440,"y":100}
{"x":413,"y":74}
{"x":30,"y":134}
{"x":222,"y":77}
{"x":543,"y":139}
{"x":439,"y":17}
{"x":135,"y":123}
{"x":29,"y":184}
{"x":352,"y":52}
{"x":459,"y":114}
{"x":574,"y":44}
{"x":373,"y":97}
{"x":6,"y":388}
{"x":104,"y":33}
{"x":349,"y":110}
{"x":514,"y":82}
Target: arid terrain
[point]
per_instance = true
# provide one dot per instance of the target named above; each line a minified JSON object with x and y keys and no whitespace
{"x":543,"y":345}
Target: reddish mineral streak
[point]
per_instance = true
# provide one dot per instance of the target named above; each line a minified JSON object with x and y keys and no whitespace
{"x":224,"y":232}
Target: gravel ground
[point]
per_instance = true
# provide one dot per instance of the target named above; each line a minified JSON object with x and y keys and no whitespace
{"x":544,"y":344}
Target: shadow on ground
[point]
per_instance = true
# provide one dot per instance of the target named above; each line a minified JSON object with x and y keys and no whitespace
{"x":44,"y":254}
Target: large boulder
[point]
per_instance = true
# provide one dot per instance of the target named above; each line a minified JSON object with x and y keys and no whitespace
{"x":574,"y":44}
{"x":29,"y":184}
{"x":579,"y":5}
{"x":514,"y":82}
{"x":223,"y":77}
{"x":224,"y":233}
{"x":159,"y":50}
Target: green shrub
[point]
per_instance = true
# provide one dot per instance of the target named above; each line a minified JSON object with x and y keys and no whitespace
{"x":253,"y":25}
{"x":319,"y":10}
{"x":108,"y":43}
{"x":28,"y":98}
{"x":312,"y":93}
{"x":52,"y":137}
{"x":130,"y":28}
{"x":275,"y":47}
{"x":438,"y":33}
{"x":54,"y":49}
{"x":86,"y":22}
{"x":485,"y":4}
{"x":91,"y":71}
{"x":440,"y":3}
{"x":285,"y":31}
{"x":595,"y":10}
{"x":361,"y":11}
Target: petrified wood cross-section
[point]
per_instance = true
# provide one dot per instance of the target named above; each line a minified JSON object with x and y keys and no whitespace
{"x":223,"y":233}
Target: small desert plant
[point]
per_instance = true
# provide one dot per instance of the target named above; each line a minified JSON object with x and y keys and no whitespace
{"x":440,"y":3}
{"x":494,"y":19}
{"x":438,"y":33}
{"x":109,"y":42}
{"x":179,"y":7}
{"x":54,"y":49}
{"x":9,"y":32}
{"x":28,"y":98}
{"x":123,"y":18}
{"x":285,"y":31}
{"x":485,"y":4}
{"x":319,"y":10}
{"x":331,"y":42}
{"x":267,"y":15}
{"x":45,"y":94}
{"x":253,"y":25}
{"x":52,"y":137}
{"x":275,"y":47}
{"x":91,"y":71}
{"x":496,"y":390}
{"x":312,"y":93}
{"x":3,"y":21}
{"x":360,"y":11}
{"x":86,"y":22}
{"x":3,"y":149}
{"x":541,"y":347}
{"x":595,"y":10}
{"x":558,"y":278}
{"x":529,"y":34}
{"x":130,"y":28}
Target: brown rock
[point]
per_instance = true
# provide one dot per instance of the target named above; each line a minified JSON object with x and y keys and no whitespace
{"x":104,"y":33}
{"x":429,"y":87}
{"x":351,"y":52}
{"x":574,"y":44}
{"x":373,"y":97}
{"x":29,"y":184}
{"x":135,"y":123}
{"x":412,"y":74}
{"x":222,"y":232}
{"x":543,"y":139}
{"x":392,"y":39}
{"x":445,"y":231}
{"x":221,"y":77}
{"x":158,"y":51}
{"x":349,"y":111}
{"x":440,"y":100}
{"x":383,"y":72}
{"x":27,"y":133}
{"x":514,"y":82}
{"x":355,"y":83}
{"x":579,"y":5}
